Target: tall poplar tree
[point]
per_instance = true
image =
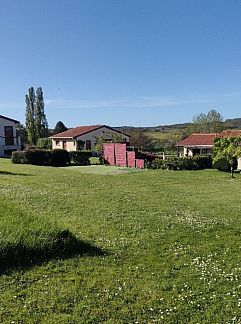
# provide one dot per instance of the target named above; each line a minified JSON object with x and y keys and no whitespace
{"x":41,"y":124}
{"x":30,"y":116}
{"x":36,"y":121}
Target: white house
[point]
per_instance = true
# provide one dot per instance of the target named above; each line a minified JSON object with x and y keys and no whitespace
{"x":9,"y":139}
{"x":203,"y":143}
{"x":197,"y":144}
{"x":84,"y":135}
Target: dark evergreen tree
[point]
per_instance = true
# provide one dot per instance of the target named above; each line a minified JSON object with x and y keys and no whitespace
{"x":60,"y":127}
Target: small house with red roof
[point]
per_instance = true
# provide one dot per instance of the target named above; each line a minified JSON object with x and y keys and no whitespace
{"x":86,"y":135}
{"x":9,"y":138}
{"x":203,"y":143}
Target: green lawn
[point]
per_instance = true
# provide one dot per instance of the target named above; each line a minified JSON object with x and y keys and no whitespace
{"x":169,"y":246}
{"x":102,"y":169}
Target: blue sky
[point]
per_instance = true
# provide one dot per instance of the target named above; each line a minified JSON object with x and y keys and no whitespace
{"x":121,"y":62}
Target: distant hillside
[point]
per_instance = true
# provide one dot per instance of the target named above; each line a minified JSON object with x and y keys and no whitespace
{"x":160,"y":128}
{"x":234,"y":123}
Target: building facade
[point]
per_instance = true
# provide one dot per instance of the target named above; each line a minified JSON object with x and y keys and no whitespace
{"x":85,"y":137}
{"x":203,"y":143}
{"x":9,"y":138}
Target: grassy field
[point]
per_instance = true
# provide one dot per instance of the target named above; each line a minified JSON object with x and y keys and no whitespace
{"x":149,"y":246}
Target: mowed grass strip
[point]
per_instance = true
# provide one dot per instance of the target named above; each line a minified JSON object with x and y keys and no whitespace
{"x":173,"y":241}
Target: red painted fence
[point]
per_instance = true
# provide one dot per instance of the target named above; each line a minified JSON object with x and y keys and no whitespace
{"x":109,"y":153}
{"x":119,"y":155}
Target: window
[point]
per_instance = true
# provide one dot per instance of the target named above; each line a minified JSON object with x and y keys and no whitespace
{"x":9,"y":140}
{"x":57,"y":142}
{"x":88,"y":145}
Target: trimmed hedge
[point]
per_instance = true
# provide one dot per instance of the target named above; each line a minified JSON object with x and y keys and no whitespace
{"x":55,"y":157}
{"x":19,"y":157}
{"x":80,"y":157}
{"x":182,"y":163}
{"x":59,"y":157}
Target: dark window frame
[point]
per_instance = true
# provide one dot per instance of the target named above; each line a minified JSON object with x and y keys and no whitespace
{"x":88,"y":145}
{"x":9,"y":140}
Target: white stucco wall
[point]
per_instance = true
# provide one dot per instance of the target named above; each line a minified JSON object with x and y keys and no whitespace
{"x":58,"y":144}
{"x":239,"y":163}
{"x":188,"y":151}
{"x":104,"y":131}
{"x":17,"y":145}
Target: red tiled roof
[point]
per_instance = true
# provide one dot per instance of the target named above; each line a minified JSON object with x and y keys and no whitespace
{"x":198,"y":139}
{"x":207,"y":139}
{"x":77,"y":131}
{"x":81,"y":130}
{"x":230,"y":133}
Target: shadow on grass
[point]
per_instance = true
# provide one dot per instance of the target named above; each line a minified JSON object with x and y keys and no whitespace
{"x":14,"y":174}
{"x":63,"y":246}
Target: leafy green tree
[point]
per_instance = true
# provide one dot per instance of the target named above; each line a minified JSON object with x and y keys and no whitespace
{"x":225,"y":149}
{"x":60,"y":127}
{"x":212,"y":122}
{"x":44,"y":143}
{"x":107,"y":138}
{"x":139,"y":139}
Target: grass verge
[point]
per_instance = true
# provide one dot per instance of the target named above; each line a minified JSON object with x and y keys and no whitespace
{"x":28,"y":239}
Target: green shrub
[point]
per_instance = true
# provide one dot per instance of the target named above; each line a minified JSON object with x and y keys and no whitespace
{"x":222,"y":164}
{"x":44,"y":143}
{"x":59,"y":157}
{"x":19,"y":157}
{"x":157,"y":164}
{"x":42,"y":157}
{"x":80,"y":157}
{"x":182,"y":163}
{"x":33,"y":156}
{"x":38,"y":157}
{"x":204,"y":162}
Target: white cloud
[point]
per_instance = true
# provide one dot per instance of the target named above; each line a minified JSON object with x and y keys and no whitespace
{"x":138,"y":102}
{"x":135,"y":102}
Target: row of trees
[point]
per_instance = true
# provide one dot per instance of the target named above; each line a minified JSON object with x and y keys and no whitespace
{"x":36,"y":131}
{"x":36,"y":121}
